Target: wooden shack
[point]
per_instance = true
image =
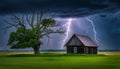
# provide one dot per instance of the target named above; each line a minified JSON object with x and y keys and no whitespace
{"x":80,"y":44}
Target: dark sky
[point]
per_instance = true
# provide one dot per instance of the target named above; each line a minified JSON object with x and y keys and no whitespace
{"x":60,"y":7}
{"x":104,"y":13}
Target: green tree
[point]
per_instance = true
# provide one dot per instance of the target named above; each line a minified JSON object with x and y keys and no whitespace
{"x":30,"y":29}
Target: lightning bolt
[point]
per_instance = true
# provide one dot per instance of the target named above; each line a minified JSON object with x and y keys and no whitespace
{"x":93,"y":27}
{"x":68,"y":24}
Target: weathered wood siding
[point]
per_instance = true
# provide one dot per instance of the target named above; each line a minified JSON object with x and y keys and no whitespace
{"x":90,"y":50}
{"x":75,"y":46}
{"x":82,"y":50}
{"x":70,"y":50}
{"x":74,"y":41}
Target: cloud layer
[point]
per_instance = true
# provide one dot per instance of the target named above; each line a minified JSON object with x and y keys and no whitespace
{"x":62,"y":8}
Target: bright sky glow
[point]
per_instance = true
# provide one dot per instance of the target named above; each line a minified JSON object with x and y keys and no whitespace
{"x":68,"y":24}
{"x":93,"y":28}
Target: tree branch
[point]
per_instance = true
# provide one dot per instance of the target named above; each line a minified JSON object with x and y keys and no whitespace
{"x":48,"y":32}
{"x":19,"y":20}
{"x":32,"y":18}
{"x":28,"y":21}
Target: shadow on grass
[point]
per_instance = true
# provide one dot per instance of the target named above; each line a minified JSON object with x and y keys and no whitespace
{"x":53,"y":55}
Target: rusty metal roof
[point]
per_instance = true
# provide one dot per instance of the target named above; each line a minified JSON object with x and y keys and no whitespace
{"x":86,"y":40}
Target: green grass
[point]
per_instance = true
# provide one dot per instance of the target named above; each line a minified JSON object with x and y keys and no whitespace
{"x":59,"y":61}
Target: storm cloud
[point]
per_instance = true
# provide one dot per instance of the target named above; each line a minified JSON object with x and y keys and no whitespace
{"x":61,"y":8}
{"x":104,"y":13}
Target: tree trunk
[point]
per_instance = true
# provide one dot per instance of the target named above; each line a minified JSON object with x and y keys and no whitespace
{"x":36,"y":50}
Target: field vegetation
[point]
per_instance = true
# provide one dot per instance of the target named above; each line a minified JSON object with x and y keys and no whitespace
{"x":26,"y":60}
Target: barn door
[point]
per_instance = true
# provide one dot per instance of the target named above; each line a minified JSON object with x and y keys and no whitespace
{"x":75,"y":50}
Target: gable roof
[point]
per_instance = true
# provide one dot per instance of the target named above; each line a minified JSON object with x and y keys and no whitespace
{"x":85,"y":40}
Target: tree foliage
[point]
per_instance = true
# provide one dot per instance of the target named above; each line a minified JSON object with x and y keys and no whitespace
{"x":30,"y":29}
{"x":23,"y":38}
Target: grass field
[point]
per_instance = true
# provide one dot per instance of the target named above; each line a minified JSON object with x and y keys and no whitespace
{"x":59,"y":61}
{"x":12,"y":53}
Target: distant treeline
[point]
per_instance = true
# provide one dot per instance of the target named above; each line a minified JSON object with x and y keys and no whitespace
{"x":32,"y":50}
{"x":53,"y":50}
